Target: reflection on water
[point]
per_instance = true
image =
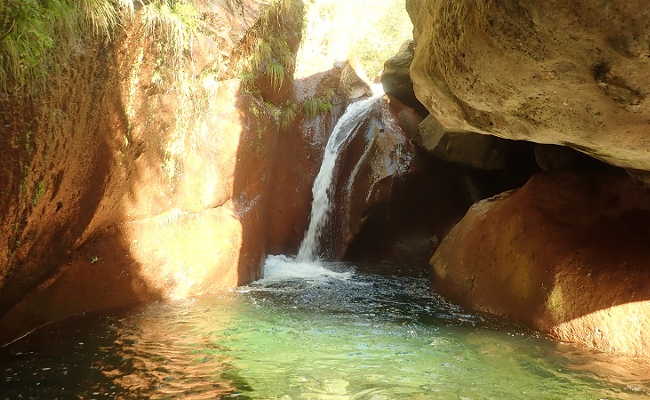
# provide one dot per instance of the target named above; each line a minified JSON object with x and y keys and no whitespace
{"x":318,"y":337}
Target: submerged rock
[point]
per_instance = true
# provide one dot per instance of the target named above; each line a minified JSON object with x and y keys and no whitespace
{"x":572,"y":73}
{"x":566,"y":254}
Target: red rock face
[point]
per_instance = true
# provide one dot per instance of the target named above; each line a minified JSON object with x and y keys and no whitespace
{"x":300,"y":154}
{"x":565,"y":254}
{"x":119,"y":190}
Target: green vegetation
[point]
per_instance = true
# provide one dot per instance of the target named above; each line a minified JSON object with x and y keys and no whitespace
{"x":392,"y":28}
{"x":316,"y":105}
{"x":289,"y":115}
{"x":39,"y":191}
{"x":283,"y":115}
{"x":268,"y":53}
{"x":39,"y":36}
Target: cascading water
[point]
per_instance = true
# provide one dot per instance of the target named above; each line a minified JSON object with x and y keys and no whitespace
{"x":306,"y":265}
{"x":323,"y":190}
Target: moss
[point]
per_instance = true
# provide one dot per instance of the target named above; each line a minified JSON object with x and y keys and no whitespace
{"x":39,"y":191}
{"x":39,"y":36}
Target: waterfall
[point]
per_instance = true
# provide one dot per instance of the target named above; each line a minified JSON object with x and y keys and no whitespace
{"x":323,"y":190}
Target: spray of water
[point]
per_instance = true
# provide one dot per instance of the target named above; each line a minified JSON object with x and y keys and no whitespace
{"x":323,"y":189}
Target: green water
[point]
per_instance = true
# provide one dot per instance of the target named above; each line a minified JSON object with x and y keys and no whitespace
{"x":364,"y":337}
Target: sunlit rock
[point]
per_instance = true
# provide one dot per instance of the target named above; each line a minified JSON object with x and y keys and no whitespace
{"x":566,"y":254}
{"x":572,"y":73}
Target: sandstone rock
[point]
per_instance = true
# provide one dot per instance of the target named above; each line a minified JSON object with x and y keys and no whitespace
{"x":467,"y":148}
{"x":556,"y":158}
{"x":484,"y":152}
{"x":572,"y":73}
{"x":396,"y":79}
{"x":403,"y":230}
{"x":566,"y":254}
{"x":351,"y":83}
{"x":125,"y":185}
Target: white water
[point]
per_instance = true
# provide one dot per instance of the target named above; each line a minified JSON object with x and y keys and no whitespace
{"x":322,"y":190}
{"x":282,"y":268}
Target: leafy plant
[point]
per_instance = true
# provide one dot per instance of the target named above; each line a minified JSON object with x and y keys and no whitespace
{"x":38,"y":36}
{"x":268,"y":51}
{"x":289,"y":115}
{"x":316,"y":105}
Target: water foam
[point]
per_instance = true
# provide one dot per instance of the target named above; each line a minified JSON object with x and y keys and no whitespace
{"x":279,"y":268}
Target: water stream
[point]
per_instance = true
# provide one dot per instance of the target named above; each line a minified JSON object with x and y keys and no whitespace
{"x":323,"y":190}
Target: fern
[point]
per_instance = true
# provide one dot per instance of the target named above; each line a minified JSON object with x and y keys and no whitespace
{"x":289,"y":115}
{"x":316,"y":105}
{"x":275,"y":73}
{"x":37,"y":36}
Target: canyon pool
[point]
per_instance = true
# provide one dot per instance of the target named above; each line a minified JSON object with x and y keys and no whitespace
{"x":307,"y":331}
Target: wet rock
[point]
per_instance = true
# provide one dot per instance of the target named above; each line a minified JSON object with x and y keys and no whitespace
{"x":351,"y":83}
{"x":571,"y":73}
{"x":305,"y":139}
{"x":566,"y":254}
{"x":377,"y":154}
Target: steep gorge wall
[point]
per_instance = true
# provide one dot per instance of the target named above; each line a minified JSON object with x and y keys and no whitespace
{"x":135,"y":175}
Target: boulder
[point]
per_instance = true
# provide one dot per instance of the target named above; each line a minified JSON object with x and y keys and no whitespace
{"x":571,"y":73}
{"x":396,"y":79}
{"x":472,"y":149}
{"x":481,"y":152}
{"x":551,"y":157}
{"x":566,"y":254}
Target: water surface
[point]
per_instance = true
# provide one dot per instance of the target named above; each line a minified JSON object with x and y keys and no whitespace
{"x":312,"y":334}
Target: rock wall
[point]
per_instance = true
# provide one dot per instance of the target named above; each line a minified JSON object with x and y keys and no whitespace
{"x":572,"y":73}
{"x":566,"y":254}
{"x":135,"y":176}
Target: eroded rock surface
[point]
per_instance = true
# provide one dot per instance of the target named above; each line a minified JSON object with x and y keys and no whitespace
{"x":396,"y":78}
{"x":572,"y":73}
{"x":302,"y":145}
{"x":566,"y":254}
{"x":129,"y":181}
